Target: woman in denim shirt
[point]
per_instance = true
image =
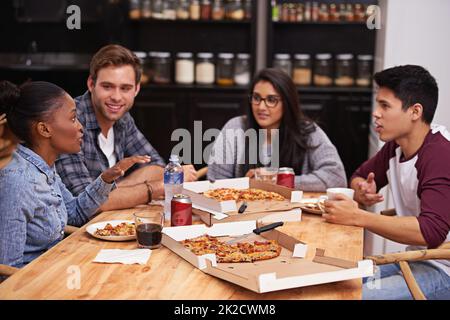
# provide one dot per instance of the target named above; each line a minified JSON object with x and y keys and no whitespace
{"x":35,"y":204}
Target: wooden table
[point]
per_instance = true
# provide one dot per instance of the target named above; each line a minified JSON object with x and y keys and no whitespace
{"x":166,"y":275}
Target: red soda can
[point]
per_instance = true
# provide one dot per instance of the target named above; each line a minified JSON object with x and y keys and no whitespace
{"x":181,"y":210}
{"x":286,"y":177}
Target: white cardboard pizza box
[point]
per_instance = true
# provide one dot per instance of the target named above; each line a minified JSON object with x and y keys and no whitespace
{"x":221,"y":210}
{"x":289,"y":270}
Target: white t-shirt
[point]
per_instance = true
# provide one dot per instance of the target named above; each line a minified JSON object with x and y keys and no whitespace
{"x":106,"y":144}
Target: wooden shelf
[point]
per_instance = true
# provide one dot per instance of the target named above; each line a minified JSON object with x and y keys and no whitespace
{"x":208,"y":87}
{"x":191,"y":22}
{"x":319,"y":23}
{"x":333,"y":89}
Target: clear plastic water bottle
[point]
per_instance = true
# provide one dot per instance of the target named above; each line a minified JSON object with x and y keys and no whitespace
{"x":173,"y":182}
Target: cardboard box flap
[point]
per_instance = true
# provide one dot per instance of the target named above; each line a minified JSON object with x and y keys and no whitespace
{"x":202,"y":186}
{"x":217,"y":230}
{"x":341,"y":263}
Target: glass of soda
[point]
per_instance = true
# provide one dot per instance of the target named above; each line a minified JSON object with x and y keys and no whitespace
{"x":149,"y":224}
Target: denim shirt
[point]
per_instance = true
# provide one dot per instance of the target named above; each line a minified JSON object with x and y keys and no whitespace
{"x":36,"y":206}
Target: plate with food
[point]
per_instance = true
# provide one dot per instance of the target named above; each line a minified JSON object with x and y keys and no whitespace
{"x":310,"y":206}
{"x":113,"y":230}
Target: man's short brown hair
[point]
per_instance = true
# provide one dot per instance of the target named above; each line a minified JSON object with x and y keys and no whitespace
{"x":114,"y":55}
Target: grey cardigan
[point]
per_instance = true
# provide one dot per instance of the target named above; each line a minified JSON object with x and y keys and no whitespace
{"x":322,"y":167}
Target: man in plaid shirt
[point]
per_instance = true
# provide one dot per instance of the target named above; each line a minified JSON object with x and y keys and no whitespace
{"x":110,"y":133}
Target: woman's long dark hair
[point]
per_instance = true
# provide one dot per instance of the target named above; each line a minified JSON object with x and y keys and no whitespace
{"x":32,"y":102}
{"x":295,"y":127}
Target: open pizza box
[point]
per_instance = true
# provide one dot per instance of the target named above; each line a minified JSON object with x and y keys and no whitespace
{"x":213,"y":211}
{"x":289,"y":270}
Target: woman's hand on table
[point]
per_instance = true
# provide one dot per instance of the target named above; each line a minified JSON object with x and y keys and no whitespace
{"x":119,"y":169}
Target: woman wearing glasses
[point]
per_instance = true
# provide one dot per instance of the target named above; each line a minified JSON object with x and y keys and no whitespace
{"x":276,"y":133}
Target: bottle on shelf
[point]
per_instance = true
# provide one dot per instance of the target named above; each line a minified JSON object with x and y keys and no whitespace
{"x":173,"y":182}
{"x":218,"y":10}
{"x":205,"y":10}
{"x":275,"y":10}
{"x":194,"y":10}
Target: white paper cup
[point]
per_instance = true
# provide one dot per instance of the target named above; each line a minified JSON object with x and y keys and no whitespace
{"x":331,"y":195}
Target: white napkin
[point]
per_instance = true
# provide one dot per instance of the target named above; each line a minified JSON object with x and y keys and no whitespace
{"x":139,"y":256}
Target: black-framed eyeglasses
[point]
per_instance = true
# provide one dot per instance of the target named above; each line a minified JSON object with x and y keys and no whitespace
{"x":271,"y":101}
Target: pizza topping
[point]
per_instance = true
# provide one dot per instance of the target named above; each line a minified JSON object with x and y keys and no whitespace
{"x":224,"y":194}
{"x":236,"y":252}
{"x":122,"y":229}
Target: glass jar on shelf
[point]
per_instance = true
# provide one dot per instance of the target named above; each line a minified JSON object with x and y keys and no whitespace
{"x":364,"y":70}
{"x":170,"y":10}
{"x":302,"y":69}
{"x":146,"y":9}
{"x":300,"y":12}
{"x":218,"y":10}
{"x":225,"y":69}
{"x":194,"y":10}
{"x":283,"y":62}
{"x":307,"y":12}
{"x":324,"y":14}
{"x":161,"y":67}
{"x":205,"y":68}
{"x":184,"y":68}
{"x":284,"y":12}
{"x":134,"y":12}
{"x":183,"y":10}
{"x":235,"y":10}
{"x":242,"y":69}
{"x":359,"y":12}
{"x":334,"y":15}
{"x":205,"y":10}
{"x":350,"y":17}
{"x":315,"y":11}
{"x":142,"y":56}
{"x":345,"y":74}
{"x":292,"y":12}
{"x":157,"y":9}
{"x":323,"y":69}
{"x":248,"y":9}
